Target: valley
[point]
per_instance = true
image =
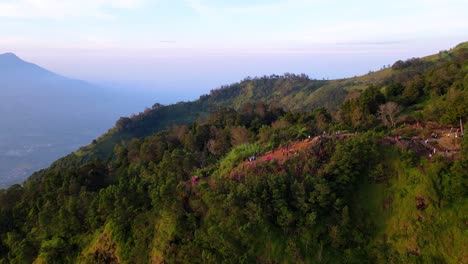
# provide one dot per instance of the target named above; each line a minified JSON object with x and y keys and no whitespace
{"x":46,"y":116}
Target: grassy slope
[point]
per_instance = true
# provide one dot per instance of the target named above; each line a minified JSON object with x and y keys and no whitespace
{"x":436,"y":232}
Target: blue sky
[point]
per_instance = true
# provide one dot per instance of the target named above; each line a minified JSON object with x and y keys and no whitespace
{"x":191,"y":46}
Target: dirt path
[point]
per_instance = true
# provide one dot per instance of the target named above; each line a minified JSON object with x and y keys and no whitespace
{"x":446,"y":140}
{"x":443,"y":145}
{"x":282,"y":154}
{"x":424,"y":148}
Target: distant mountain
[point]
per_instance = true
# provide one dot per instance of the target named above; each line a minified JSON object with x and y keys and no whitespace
{"x":14,"y":68}
{"x":45,"y":116}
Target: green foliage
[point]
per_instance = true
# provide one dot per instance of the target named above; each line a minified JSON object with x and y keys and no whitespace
{"x":403,"y":233}
{"x":455,"y":181}
{"x":360,"y":113}
{"x":238,"y":155}
{"x":132,"y":195}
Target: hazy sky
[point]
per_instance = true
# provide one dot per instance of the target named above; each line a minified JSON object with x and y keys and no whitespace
{"x":190,"y":46}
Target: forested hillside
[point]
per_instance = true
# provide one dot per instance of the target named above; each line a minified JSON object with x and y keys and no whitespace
{"x":279,"y":169}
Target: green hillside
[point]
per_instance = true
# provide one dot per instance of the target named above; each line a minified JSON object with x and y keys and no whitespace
{"x":278,"y":169}
{"x":296,"y":93}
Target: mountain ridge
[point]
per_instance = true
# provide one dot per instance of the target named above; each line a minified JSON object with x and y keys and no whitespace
{"x":329,"y":94}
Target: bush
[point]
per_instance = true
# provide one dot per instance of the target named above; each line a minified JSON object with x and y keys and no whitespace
{"x":238,"y":154}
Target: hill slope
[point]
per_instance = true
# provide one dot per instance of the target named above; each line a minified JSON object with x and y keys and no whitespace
{"x":383,"y":180}
{"x":289,"y":91}
{"x":293,"y":93}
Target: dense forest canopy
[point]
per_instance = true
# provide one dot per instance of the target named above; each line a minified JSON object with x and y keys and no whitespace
{"x":267,"y":170}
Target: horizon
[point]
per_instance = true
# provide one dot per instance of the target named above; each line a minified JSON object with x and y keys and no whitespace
{"x":189,"y":47}
{"x":157,"y":88}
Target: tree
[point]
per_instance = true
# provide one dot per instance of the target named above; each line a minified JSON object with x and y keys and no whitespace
{"x":370,"y":99}
{"x":394,"y":90}
{"x":388,"y":112}
{"x":322,"y":118}
{"x":240,"y":135}
{"x":123,"y":123}
{"x":412,"y":91}
{"x":360,"y":112}
{"x":219,"y":143}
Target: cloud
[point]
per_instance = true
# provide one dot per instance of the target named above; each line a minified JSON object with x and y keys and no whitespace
{"x":417,"y":20}
{"x":204,"y":7}
{"x":13,"y":43}
{"x":327,"y":21}
{"x":61,"y":9}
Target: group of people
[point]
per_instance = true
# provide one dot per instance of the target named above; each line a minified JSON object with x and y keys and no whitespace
{"x":252,"y":158}
{"x":456,"y":133}
{"x":286,"y":152}
{"x":336,"y":133}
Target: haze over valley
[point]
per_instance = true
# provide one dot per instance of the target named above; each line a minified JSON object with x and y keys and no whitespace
{"x":46,"y":116}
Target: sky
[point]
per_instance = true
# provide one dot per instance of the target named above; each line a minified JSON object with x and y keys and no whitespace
{"x":183,"y":48}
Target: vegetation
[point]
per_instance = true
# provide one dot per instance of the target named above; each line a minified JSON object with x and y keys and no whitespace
{"x":352,"y":183}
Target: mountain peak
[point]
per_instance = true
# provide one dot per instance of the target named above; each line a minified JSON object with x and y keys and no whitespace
{"x":9,"y":55}
{"x":10,"y":59}
{"x":13,"y":66}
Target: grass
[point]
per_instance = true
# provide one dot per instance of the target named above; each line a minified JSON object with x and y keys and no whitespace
{"x":438,"y":233}
{"x":165,"y":229}
{"x":237,"y":155}
{"x":95,"y":241}
{"x":356,"y":88}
